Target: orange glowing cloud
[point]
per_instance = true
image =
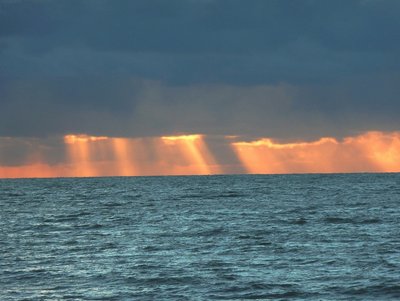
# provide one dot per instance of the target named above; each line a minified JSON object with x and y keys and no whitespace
{"x":35,"y":170}
{"x":79,"y":154}
{"x":197,"y":159}
{"x":71,"y":139}
{"x":91,"y":156}
{"x":174,"y":155}
{"x":369,"y":152}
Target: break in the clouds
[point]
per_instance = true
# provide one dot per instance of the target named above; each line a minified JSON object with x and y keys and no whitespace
{"x":283,"y":69}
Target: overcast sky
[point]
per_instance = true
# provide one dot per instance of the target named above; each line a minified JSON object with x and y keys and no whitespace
{"x":261,"y":68}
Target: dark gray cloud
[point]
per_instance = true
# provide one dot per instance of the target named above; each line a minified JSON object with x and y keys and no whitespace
{"x":20,"y":151}
{"x":135,"y":108}
{"x":136,"y":68}
{"x":201,"y":41}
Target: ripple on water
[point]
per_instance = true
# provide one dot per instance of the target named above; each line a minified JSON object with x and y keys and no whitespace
{"x":299,"y":237}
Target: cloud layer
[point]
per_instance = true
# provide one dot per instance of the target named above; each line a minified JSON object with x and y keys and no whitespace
{"x":282,"y":69}
{"x":84,"y":156}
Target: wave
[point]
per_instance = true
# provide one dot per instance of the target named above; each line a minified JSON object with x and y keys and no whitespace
{"x":349,"y":220}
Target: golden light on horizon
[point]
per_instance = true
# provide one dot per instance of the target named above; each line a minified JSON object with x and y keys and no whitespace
{"x":35,"y":170}
{"x":71,"y":139}
{"x":193,"y":149}
{"x":381,"y":149}
{"x":80,"y":152}
{"x":369,"y":152}
{"x":92,"y":156}
{"x":124,"y":156}
{"x":182,"y":138}
{"x":86,"y":156}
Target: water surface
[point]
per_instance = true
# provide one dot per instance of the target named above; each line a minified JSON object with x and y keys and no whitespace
{"x":278,"y":237}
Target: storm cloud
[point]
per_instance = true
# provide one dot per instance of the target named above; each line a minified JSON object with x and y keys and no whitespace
{"x":283,"y":69}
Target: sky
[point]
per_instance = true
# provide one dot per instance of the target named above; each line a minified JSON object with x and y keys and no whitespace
{"x":234,"y":82}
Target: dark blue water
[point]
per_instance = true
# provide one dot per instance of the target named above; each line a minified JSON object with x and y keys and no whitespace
{"x":281,"y":237}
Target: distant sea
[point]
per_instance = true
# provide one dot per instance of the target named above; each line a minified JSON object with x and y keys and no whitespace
{"x":239,"y":237}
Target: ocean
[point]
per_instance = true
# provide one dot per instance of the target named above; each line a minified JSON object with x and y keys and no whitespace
{"x":236,"y":237}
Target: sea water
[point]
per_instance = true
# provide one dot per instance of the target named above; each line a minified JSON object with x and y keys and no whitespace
{"x":259,"y":237}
